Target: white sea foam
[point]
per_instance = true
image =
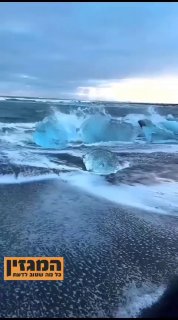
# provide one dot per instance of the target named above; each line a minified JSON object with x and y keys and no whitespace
{"x":44,"y":100}
{"x":138,"y":298}
{"x":35,"y":160}
{"x":11,"y":179}
{"x":161,"y":198}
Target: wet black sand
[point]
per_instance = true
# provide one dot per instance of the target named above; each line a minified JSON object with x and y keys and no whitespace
{"x":105,"y":247}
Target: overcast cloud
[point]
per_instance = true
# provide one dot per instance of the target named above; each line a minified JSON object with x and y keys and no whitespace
{"x":52,"y":49}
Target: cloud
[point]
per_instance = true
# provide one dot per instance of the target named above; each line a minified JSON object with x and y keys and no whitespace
{"x":154,"y":90}
{"x":64,"y":46}
{"x":15,"y":28}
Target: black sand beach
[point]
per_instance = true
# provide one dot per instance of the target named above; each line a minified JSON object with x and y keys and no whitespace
{"x":106,"y":248}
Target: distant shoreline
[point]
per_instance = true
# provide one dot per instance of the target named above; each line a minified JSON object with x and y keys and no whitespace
{"x":91,"y":101}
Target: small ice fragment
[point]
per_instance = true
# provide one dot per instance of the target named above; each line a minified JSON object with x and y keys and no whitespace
{"x":103,"y":162}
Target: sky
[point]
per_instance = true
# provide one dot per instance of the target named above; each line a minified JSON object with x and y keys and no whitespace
{"x":90,"y":51}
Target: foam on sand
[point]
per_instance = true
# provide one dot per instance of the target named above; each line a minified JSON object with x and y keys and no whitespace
{"x":136,"y":299}
{"x":161,"y":198}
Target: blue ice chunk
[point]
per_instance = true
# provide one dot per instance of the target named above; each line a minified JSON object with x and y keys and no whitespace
{"x":171,"y":125}
{"x":93,"y":129}
{"x":100,"y":128}
{"x":51,"y":133}
{"x":155,"y":133}
{"x":101,"y":161}
{"x":120,"y":131}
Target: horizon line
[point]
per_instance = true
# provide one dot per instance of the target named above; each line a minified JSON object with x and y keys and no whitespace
{"x":85,"y":100}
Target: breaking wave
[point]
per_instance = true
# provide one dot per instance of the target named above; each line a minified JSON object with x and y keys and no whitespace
{"x":58,"y":130}
{"x":91,"y":126}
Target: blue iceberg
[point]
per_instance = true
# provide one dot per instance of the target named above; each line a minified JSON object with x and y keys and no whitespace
{"x":154,"y":133}
{"x":51,"y":133}
{"x":120,"y":131}
{"x":93,"y":129}
{"x":171,"y":125}
{"x":100,"y":128}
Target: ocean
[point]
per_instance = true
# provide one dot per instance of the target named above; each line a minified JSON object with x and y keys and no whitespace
{"x":117,"y":231}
